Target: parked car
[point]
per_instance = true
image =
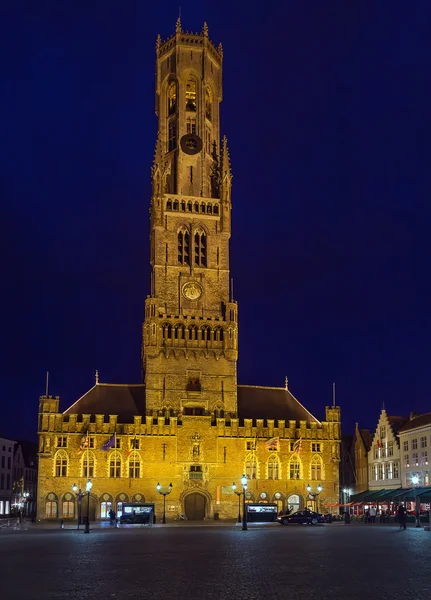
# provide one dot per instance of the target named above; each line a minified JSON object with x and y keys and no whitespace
{"x":302,"y":516}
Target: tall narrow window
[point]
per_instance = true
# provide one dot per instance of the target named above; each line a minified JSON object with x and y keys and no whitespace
{"x":200,"y":249}
{"x":191,"y":125}
{"x":251,"y":467}
{"x":172,"y":98}
{"x":172,"y":140}
{"x":273,"y":467}
{"x":88,"y":465}
{"x":294,"y":468}
{"x":134,"y":466}
{"x":208,"y":104}
{"x":115,"y":465}
{"x":183,"y":247}
{"x":61,"y":464}
{"x":316,"y":467}
{"x":191,"y":95}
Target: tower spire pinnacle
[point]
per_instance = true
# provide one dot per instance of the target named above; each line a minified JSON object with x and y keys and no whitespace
{"x":205,"y":29}
{"x":178,"y":28}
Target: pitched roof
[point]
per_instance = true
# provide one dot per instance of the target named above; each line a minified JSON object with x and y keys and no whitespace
{"x":29,"y":452}
{"x":417,"y":422}
{"x":256,"y":402}
{"x":397,"y":422}
{"x":126,"y":401}
{"x":366,"y":437}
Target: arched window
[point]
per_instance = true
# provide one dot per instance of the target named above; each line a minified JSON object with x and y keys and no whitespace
{"x":179,"y":332}
{"x":218,"y":334}
{"x":172,"y":98}
{"x":115,"y":465}
{"x":193,"y":332}
{"x":209,"y":209}
{"x":196,"y":207}
{"x":218,"y":412}
{"x":191,"y":95}
{"x":189,"y":206}
{"x":294,"y":468}
{"x":316,"y":467}
{"x":68,"y":510}
{"x":208,"y":104}
{"x":200,"y":249}
{"x":169,"y":205}
{"x":51,"y":509}
{"x":167,"y":330}
{"x":251,"y":466}
{"x":61,"y":464}
{"x":216,"y":209}
{"x":134,"y":466}
{"x":273,"y":467}
{"x":183,"y":206}
{"x":206,"y":333}
{"x":87,"y":467}
{"x":183,"y":247}
{"x":105,"y":507}
{"x":203,"y":207}
{"x":175,"y":204}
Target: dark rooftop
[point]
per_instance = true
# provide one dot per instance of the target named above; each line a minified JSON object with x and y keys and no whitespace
{"x":397,"y":422}
{"x":420,"y":421}
{"x":126,"y":401}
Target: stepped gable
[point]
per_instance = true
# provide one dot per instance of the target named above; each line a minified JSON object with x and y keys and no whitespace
{"x":417,"y":422}
{"x":123,"y":400}
{"x":256,"y":402}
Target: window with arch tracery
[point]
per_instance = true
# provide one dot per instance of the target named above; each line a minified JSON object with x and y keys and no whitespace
{"x":179,"y":332}
{"x":115,"y":465}
{"x":134,"y":466}
{"x":191,"y":95}
{"x":294,"y":469}
{"x":316,"y":467}
{"x":172,"y":98}
{"x":193,"y":332}
{"x":218,"y":412}
{"x":61,"y":464}
{"x":200,"y":249}
{"x":87,"y":467}
{"x":206,"y":333}
{"x":273,"y":467}
{"x":183,"y":247}
{"x":218,"y":334}
{"x":167,"y":331}
{"x":208,"y":104}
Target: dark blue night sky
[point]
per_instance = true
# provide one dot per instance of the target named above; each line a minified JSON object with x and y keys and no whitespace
{"x":327,"y":112}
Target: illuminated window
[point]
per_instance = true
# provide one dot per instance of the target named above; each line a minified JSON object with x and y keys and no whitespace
{"x":208,"y":104}
{"x":294,"y":469}
{"x":396,"y":471}
{"x":251,"y":466}
{"x":424,"y":458}
{"x":115,"y":465}
{"x":406,"y":460}
{"x":61,"y":441}
{"x":191,"y":125}
{"x":315,"y":447}
{"x":200,"y":249}
{"x":61,"y":464}
{"x":388,"y":470}
{"x":415,"y":444}
{"x":380,"y":471}
{"x":68,"y":509}
{"x":134,"y":466}
{"x":423,"y":442}
{"x":51,"y":509}
{"x":415,"y":460}
{"x":183,"y":247}
{"x":316,"y":467}
{"x":191,"y":95}
{"x":273,"y":467}
{"x":382,"y":432}
{"x":172,"y":98}
{"x":390,"y":448}
{"x":88,"y":465}
{"x":105,"y":507}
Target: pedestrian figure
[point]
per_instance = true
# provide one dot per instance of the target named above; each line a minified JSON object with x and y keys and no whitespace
{"x":373,"y":514}
{"x":402,"y":516}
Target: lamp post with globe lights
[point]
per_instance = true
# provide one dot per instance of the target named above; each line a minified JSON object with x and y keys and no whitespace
{"x":244,"y":480}
{"x":314,"y":495}
{"x":239,"y":494}
{"x":415,"y":482}
{"x":88,"y":487}
{"x":164,"y":494}
{"x":78,"y":493}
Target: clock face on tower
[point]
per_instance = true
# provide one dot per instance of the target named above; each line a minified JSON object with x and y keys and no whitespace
{"x":192,"y":290}
{"x":191,"y":143}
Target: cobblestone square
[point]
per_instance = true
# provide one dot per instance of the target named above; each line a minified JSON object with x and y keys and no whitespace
{"x":324,"y":562}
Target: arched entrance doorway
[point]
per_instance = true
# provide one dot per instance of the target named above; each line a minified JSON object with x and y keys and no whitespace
{"x":195,"y":506}
{"x":294,"y":502}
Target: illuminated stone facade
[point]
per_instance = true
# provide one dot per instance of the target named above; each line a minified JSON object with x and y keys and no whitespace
{"x":189,"y":423}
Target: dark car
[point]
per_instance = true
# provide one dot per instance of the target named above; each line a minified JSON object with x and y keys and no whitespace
{"x":301,"y":516}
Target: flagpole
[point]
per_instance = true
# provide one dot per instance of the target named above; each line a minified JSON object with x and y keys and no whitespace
{"x":333,"y":394}
{"x":46,"y":384}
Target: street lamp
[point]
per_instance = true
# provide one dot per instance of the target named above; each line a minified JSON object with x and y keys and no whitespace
{"x":415,"y":481}
{"x":88,"y":487}
{"x":239,"y":494}
{"x":314,"y":495}
{"x":244,"y":480}
{"x":164,"y":494}
{"x":79,"y":495}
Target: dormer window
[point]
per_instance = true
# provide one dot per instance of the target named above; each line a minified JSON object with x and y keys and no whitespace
{"x":191,"y":95}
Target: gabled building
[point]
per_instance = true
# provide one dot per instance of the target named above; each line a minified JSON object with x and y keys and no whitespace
{"x":415,"y":443}
{"x":25,"y":477}
{"x":384,"y":456}
{"x":362,"y":441}
{"x":6,"y":475}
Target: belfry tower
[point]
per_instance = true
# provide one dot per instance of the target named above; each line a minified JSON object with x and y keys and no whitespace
{"x":190,"y":332}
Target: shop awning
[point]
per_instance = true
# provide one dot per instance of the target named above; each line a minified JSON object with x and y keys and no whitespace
{"x":361,"y":497}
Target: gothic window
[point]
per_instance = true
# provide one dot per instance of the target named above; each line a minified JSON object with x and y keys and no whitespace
{"x":51,"y":509}
{"x":218,"y":413}
{"x":115,"y":465}
{"x":172,"y":138}
{"x":172,"y":98}
{"x":316,"y":468}
{"x":273,"y":467}
{"x":216,"y":209}
{"x":200,"y":249}
{"x":167,"y":331}
{"x":134,"y":466}
{"x":208,"y":104}
{"x":169,"y":205}
{"x":191,"y":125}
{"x":68,"y":509}
{"x":251,"y":466}
{"x":61,"y":464}
{"x":203,"y":207}
{"x":196,"y":207}
{"x":88,"y":465}
{"x":183,"y":247}
{"x":189,"y":206}
{"x":294,"y":468}
{"x":206,"y":333}
{"x":183,"y":206}
{"x":193,"y":332}
{"x":191,"y":95}
{"x":179,"y":332}
{"x":175,"y":204}
{"x":218,"y":334}
{"x":105,"y":507}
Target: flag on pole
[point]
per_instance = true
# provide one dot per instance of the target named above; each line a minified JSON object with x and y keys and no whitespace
{"x":110,"y":443}
{"x":273,"y":444}
{"x":84,"y":443}
{"x":297,"y":446}
{"x":131,"y":447}
{"x":379,"y":444}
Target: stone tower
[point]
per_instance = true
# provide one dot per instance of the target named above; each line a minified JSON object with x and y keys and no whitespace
{"x":190,"y":332}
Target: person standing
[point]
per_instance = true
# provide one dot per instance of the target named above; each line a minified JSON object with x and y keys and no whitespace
{"x":402,"y":516}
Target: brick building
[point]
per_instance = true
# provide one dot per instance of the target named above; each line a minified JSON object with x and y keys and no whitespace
{"x":189,"y":423}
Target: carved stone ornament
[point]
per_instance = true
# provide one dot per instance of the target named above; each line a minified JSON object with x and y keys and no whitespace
{"x":192,"y":290}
